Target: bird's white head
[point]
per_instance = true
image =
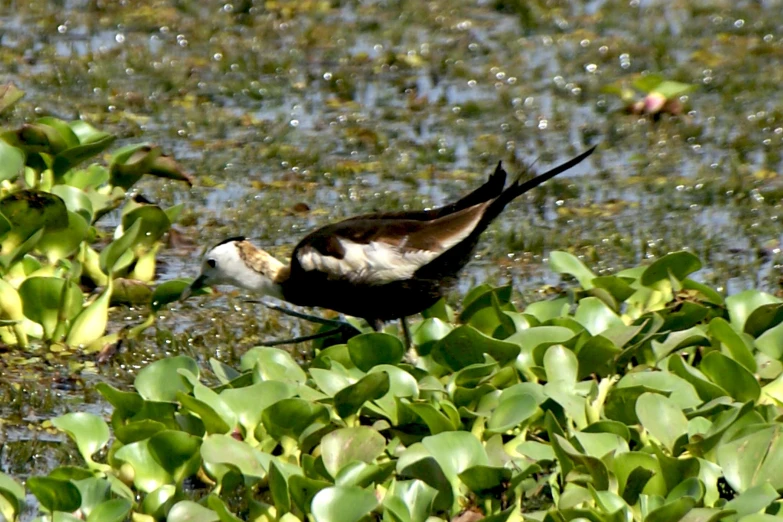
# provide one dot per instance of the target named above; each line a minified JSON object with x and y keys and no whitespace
{"x":235,"y":261}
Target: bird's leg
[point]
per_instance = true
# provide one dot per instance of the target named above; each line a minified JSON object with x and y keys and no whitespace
{"x":340,"y":327}
{"x":376,"y":324}
{"x":406,"y":332}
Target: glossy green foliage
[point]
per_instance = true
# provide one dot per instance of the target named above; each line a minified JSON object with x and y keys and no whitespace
{"x":635,"y":398}
{"x":50,"y":207}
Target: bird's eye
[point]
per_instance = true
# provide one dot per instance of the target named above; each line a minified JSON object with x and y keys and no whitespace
{"x":211,"y":263}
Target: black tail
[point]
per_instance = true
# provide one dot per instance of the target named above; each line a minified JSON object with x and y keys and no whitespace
{"x":451,"y":261}
{"x":516,"y":189}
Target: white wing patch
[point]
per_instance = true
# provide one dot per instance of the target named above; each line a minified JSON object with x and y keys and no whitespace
{"x":373,"y":263}
{"x":377,"y":262}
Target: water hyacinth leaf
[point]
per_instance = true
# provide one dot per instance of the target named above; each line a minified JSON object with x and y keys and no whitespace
{"x":91,"y":323}
{"x":409,"y":500}
{"x":74,"y":155}
{"x":661,"y":418}
{"x":763,"y":318}
{"x":436,"y":421}
{"x":565,"y":263}
{"x":148,"y":474}
{"x":600,"y":444}
{"x":165,"y":166}
{"x":177,"y":452}
{"x":753,"y":457}
{"x":706,"y":389}
{"x":359,"y":443}
{"x":752,"y":500}
{"x":369,"y":388}
{"x":12,"y":161}
{"x":597,"y":356}
{"x":743,"y":304}
{"x":290,"y":417}
{"x":679,"y":340}
{"x":465,"y":345}
{"x":189,"y":511}
{"x":371,"y":349}
{"x":481,"y":297}
{"x":49,"y":301}
{"x":114,"y":510}
{"x":593,"y":466}
{"x":112,"y":253}
{"x":75,"y":200}
{"x":483,"y":478}
{"x":342,"y":504}
{"x":679,"y":390}
{"x":40,"y":137}
{"x":249,"y":402}
{"x":65,"y":132}
{"x":131,"y":162}
{"x":731,"y":376}
{"x":89,"y":431}
{"x":670,"y":511}
{"x":13,"y":494}
{"x":733,"y":341}
{"x":677,"y":265}
{"x":161,"y":381}
{"x":596,"y":316}
{"x":154,"y":223}
{"x":455,"y":451}
{"x":216,"y":504}
{"x":93,"y":490}
{"x":511,"y":412}
{"x":619,"y":288}
{"x":213,"y":422}
{"x":273,"y":364}
{"x":429,"y":332}
{"x":29,"y":211}
{"x":546,"y":310}
{"x":169,"y":292}
{"x":60,"y":244}
{"x":561,"y":365}
{"x":401,"y":384}
{"x":220,"y":450}
{"x":54,"y":494}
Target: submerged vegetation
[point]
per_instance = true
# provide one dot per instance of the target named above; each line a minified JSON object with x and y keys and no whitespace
{"x":638,"y":384}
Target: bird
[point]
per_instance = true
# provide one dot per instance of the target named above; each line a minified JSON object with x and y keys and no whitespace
{"x":378,"y":267}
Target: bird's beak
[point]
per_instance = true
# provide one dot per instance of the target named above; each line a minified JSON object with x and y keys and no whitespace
{"x":197,"y":284}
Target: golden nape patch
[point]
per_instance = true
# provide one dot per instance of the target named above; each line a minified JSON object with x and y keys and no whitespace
{"x":260,"y":261}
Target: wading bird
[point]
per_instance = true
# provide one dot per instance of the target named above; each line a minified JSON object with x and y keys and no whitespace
{"x":378,"y":267}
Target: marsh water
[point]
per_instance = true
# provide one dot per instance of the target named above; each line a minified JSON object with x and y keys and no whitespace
{"x":291,"y":114}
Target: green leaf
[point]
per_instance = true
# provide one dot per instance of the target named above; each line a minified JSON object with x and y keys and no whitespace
{"x":731,"y":376}
{"x":595,"y":316}
{"x":90,"y":324}
{"x":343,"y":504}
{"x":89,"y":431}
{"x":12,"y":161}
{"x":154,"y":223}
{"x":69,"y":158}
{"x":369,"y":388}
{"x":161,"y":381}
{"x":222,"y":452}
{"x":511,"y":413}
{"x":565,"y":263}
{"x":273,"y":364}
{"x":189,"y":511}
{"x":291,"y":416}
{"x":54,"y":494}
{"x":455,"y":451}
{"x":371,"y":349}
{"x":662,"y":418}
{"x":677,"y":265}
{"x":753,"y":458}
{"x":671,"y":511}
{"x":345,"y":445}
{"x":29,"y":211}
{"x":743,"y":304}
{"x":114,"y":510}
{"x":465,"y":345}
{"x":740,"y":352}
{"x":763,"y":318}
{"x":112,"y":253}
{"x":50,"y":302}
{"x":177,"y":452}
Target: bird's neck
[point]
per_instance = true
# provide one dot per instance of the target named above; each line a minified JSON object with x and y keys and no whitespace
{"x":265,"y":275}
